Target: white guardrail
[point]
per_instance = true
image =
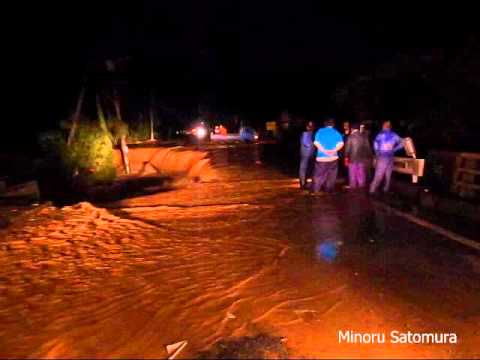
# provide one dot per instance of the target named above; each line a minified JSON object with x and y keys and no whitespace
{"x":411,"y":166}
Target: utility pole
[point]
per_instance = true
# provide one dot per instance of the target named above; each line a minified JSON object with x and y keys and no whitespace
{"x":111,"y":67}
{"x":78,"y":109}
{"x":123,"y":137}
{"x":152,"y":135}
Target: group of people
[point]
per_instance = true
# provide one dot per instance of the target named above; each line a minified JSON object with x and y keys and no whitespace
{"x":323,"y":148}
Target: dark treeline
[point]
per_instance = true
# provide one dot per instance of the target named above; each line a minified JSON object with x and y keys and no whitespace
{"x":431,"y":94}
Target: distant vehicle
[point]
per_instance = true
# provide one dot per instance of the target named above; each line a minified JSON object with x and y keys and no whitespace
{"x":248,"y":134}
{"x":220,"y":130}
{"x":199,"y":132}
{"x":228,"y":137}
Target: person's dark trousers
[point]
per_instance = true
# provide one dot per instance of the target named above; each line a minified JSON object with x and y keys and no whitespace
{"x":383,"y":171}
{"x":369,"y":171}
{"x":342,"y":168}
{"x":305,"y":168}
{"x":325,"y":175}
{"x":356,"y":174}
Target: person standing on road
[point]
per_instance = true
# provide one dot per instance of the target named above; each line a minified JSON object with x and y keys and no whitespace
{"x":328,"y":142}
{"x":365,"y":131}
{"x":306,"y":153}
{"x":342,"y":168}
{"x":358,"y":155}
{"x":385,"y":145}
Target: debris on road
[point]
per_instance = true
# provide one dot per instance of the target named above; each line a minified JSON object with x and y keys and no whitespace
{"x":174,"y":349}
{"x":231,"y":316}
{"x":29,"y":189}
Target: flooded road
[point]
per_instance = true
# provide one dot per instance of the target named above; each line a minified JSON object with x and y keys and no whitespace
{"x":243,"y":255}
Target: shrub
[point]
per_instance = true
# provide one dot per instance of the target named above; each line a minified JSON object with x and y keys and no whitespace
{"x":57,"y":155}
{"x":117,"y":129}
{"x":139,"y":131}
{"x":90,"y":154}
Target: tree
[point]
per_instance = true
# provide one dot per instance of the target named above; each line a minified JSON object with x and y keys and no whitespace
{"x":78,"y":109}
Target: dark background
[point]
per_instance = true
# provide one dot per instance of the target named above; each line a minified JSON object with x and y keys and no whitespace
{"x":251,"y":58}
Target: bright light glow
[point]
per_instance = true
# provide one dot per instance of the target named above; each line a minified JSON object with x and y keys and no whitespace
{"x":201,"y":132}
{"x":256,"y":137}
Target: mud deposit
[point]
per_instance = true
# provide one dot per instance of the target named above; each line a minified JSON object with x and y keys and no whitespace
{"x":244,"y":265}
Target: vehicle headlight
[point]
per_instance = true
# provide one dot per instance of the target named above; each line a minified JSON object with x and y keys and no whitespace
{"x":201,"y":132}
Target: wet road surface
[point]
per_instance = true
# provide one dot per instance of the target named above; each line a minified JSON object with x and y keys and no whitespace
{"x":243,"y":255}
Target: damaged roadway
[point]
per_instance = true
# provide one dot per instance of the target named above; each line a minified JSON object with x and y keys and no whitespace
{"x":242,"y":265}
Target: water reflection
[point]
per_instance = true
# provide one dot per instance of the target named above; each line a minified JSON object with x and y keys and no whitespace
{"x":327,"y":251}
{"x":363,"y":223}
{"x":374,"y":226}
{"x":327,"y":232}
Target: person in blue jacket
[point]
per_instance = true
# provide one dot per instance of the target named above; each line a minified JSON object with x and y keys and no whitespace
{"x":386,"y":143}
{"x":306,"y":153}
{"x":328,"y":142}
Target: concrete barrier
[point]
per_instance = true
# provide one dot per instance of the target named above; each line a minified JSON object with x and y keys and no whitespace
{"x":454,"y":172}
{"x":466,"y":179}
{"x":439,"y":170}
{"x":172,"y":161}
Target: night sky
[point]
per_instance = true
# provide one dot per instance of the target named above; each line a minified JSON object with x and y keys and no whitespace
{"x":250,"y":57}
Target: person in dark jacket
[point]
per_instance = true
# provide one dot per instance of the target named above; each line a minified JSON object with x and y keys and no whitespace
{"x":365,"y":131}
{"x":306,"y":153}
{"x":342,"y":167}
{"x":358,"y":155}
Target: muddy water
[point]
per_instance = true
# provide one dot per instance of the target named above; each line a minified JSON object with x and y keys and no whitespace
{"x":244,"y":254}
